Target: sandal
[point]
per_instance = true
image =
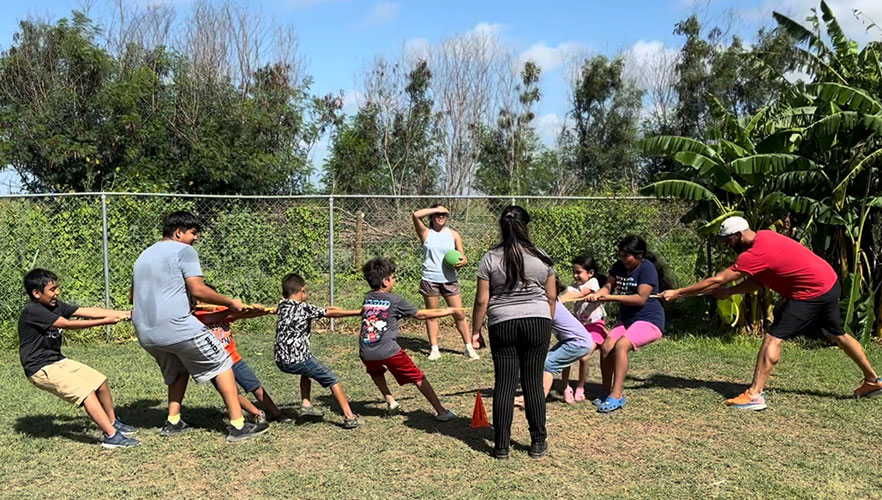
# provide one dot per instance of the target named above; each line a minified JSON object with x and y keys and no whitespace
{"x":611,"y":404}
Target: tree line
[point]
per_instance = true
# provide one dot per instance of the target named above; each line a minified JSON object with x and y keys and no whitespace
{"x":221,"y":103}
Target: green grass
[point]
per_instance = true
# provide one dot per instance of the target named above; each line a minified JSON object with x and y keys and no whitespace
{"x":675,"y":439}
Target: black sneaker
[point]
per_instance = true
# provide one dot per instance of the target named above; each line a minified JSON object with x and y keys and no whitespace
{"x":118,"y":440}
{"x":500,"y":454}
{"x":170,"y":429}
{"x":247,"y":431}
{"x":310,"y":413}
{"x":351,"y":423}
{"x":538,"y":449}
{"x":126,"y":429}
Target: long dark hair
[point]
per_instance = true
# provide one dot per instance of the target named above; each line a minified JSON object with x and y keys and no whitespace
{"x":636,"y":246}
{"x":515,"y":241}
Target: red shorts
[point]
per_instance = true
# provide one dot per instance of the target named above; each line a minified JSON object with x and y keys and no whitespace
{"x":400,"y":366}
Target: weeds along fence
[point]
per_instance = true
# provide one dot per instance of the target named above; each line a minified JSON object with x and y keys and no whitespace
{"x":91,"y":241}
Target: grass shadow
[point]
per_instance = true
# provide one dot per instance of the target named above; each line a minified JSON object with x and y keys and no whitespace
{"x":421,"y":345}
{"x":480,"y":440}
{"x":147,"y":413}
{"x":79,"y":429}
{"x":726,"y":389}
{"x":366,"y":408}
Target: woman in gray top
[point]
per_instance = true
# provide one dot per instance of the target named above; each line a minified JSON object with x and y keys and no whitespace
{"x":438,"y":278}
{"x":516,"y":291}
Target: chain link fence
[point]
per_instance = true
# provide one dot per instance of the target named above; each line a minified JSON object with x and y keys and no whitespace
{"x":247,"y":244}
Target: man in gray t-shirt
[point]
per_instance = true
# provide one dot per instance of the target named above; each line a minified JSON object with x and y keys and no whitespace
{"x":164,"y":275}
{"x":161,"y":306}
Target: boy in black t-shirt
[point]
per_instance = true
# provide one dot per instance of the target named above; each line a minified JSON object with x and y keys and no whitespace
{"x":39,"y":347}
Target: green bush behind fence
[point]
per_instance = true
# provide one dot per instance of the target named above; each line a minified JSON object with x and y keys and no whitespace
{"x":248,"y":244}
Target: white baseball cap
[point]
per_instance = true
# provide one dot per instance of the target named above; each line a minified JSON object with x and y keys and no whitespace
{"x":732,"y":225}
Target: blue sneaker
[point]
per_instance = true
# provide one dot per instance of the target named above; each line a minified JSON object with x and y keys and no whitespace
{"x":119,"y":441}
{"x":599,"y":400}
{"x":126,"y":429}
{"x":611,"y":404}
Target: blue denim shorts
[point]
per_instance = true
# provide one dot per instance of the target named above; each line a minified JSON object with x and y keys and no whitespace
{"x":562,"y":355}
{"x":245,"y":377}
{"x":311,"y":368}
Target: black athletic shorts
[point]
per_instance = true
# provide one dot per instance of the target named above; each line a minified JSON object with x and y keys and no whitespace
{"x":818,"y":315}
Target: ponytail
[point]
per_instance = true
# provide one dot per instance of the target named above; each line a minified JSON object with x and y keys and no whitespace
{"x":515,"y":242}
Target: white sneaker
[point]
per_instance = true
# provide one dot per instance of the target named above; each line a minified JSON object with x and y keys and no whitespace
{"x":444,"y":417}
{"x":469,"y":352}
{"x":435,"y":354}
{"x":393,"y":408}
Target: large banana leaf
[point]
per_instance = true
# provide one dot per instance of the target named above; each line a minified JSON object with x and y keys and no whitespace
{"x":668,"y":145}
{"x":801,"y":181}
{"x":755,"y":168}
{"x":822,"y":212}
{"x":710,"y":169}
{"x":848,"y":97}
{"x":786,"y":140}
{"x":845,"y":50}
{"x":798,"y":32}
{"x":682,"y":189}
{"x":696,"y":160}
{"x":713,"y":226}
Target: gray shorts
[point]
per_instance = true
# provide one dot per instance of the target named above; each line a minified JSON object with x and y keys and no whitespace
{"x":429,"y":289}
{"x":203,"y":357}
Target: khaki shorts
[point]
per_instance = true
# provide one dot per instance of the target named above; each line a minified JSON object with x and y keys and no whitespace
{"x":70,"y":380}
{"x":429,"y":289}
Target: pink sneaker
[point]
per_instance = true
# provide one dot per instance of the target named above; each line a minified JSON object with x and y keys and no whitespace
{"x":568,"y":395}
{"x":580,"y":394}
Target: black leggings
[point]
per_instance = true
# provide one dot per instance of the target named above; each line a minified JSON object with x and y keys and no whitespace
{"x":519,"y":345}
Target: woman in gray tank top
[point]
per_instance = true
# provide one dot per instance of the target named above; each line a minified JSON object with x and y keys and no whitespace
{"x":439,"y":279}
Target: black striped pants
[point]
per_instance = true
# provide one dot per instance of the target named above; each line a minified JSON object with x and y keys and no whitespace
{"x":519,"y":345}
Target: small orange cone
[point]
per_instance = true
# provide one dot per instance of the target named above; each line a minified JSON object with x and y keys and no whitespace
{"x":479,"y":416}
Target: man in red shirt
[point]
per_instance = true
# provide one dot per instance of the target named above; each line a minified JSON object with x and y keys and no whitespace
{"x":811,"y":291}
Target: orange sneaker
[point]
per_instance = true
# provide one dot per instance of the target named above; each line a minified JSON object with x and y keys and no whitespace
{"x":869,"y":389}
{"x":745,"y":401}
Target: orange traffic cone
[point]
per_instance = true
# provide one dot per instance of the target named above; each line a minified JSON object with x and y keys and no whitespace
{"x":479,"y":416}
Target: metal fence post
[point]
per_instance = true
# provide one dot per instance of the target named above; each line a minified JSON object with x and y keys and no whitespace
{"x":331,"y":254}
{"x":106,"y":261}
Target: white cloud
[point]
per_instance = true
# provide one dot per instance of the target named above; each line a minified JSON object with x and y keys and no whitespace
{"x":550,"y":58}
{"x":487,"y":29}
{"x":417,"y":49}
{"x":384,"y":12}
{"x":646,"y":59}
{"x":352,"y":100}
{"x":308,"y":3}
{"x":548,"y":126}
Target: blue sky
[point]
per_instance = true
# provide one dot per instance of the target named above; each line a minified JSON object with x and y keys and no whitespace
{"x":337,"y":37}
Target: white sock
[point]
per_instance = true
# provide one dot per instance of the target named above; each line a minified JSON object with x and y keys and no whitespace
{"x":434,"y":348}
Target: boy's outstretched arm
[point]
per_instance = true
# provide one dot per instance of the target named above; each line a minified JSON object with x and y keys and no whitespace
{"x":98,"y":313}
{"x":424,"y":314}
{"x":336,"y":312}
{"x":79,"y":324}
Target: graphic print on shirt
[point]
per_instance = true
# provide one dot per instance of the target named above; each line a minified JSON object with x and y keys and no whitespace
{"x":222,"y":332}
{"x":375,"y":320}
{"x":626,"y":285}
